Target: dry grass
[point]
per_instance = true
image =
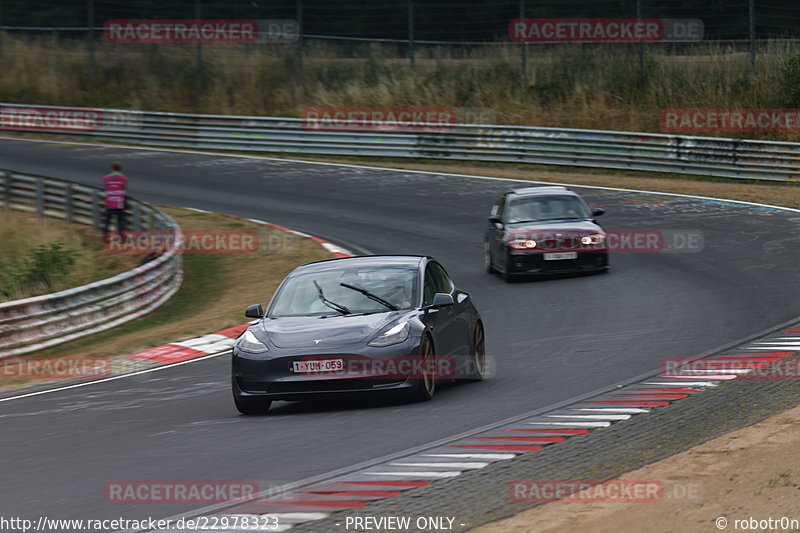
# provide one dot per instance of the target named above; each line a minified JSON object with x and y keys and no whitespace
{"x":583,"y":86}
{"x":22,"y":232}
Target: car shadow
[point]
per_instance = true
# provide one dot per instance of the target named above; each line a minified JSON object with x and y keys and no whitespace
{"x":529,"y":278}
{"x":350,"y":402}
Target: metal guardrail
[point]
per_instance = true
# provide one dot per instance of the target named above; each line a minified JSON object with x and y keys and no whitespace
{"x":39,"y":322}
{"x":730,"y":158}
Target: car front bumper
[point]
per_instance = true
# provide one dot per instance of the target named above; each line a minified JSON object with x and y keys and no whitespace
{"x":535,"y":263}
{"x":367,"y":370}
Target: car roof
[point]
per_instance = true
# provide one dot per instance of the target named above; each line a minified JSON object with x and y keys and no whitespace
{"x":537,"y":191}
{"x":412,"y":261}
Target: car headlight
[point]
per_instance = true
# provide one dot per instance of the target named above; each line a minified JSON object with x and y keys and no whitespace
{"x":593,"y":240}
{"x":250,"y":343}
{"x":522,"y":244}
{"x":393,"y":335}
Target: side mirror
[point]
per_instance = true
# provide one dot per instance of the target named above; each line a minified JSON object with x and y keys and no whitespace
{"x":496,"y":219}
{"x":254,"y":311}
{"x":597,"y":211}
{"x":442,"y":299}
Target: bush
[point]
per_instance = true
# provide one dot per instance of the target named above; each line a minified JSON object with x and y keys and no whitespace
{"x":42,"y":267}
{"x":790,"y":81}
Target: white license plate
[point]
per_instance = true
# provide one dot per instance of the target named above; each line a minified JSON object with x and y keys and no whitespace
{"x":322,"y":365}
{"x":558,"y":256}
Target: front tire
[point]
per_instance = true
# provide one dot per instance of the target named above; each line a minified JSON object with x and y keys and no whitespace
{"x":426,"y":383}
{"x":487,"y":259}
{"x":249,"y":405}
{"x":476,"y":368}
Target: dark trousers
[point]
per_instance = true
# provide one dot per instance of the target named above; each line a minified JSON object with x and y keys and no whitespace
{"x":120,"y":214}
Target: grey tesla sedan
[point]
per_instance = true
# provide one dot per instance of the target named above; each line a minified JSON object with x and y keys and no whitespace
{"x":358,"y":325}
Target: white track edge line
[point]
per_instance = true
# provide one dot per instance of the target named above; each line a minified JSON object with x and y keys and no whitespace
{"x":114,"y":378}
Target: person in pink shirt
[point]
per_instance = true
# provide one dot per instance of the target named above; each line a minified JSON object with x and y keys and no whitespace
{"x":115,"y":184}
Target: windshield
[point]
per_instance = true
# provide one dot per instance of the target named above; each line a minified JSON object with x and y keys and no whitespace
{"x":322,"y":292}
{"x":542,"y":208}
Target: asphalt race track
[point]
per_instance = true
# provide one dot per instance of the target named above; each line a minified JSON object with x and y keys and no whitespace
{"x":551,"y":340}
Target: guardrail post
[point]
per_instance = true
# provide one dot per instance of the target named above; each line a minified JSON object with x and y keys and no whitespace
{"x":411,"y":51}
{"x":69,"y":208}
{"x":752,"y":12}
{"x":40,"y":197}
{"x":6,"y":177}
{"x":198,"y":53}
{"x":137,"y":217}
{"x":298,"y":61}
{"x":95,"y":201}
{"x":523,"y":56}
{"x":90,"y":33}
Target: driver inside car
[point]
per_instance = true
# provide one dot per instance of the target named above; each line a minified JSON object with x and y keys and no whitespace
{"x":396,"y":293}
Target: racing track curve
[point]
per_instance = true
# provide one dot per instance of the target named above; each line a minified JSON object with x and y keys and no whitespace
{"x":552,"y":340}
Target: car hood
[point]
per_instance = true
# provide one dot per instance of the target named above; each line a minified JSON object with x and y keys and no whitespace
{"x":326,"y":333}
{"x":559,"y":226}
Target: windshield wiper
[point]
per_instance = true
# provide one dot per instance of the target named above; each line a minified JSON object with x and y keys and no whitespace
{"x":371,"y":296}
{"x":333,"y":305}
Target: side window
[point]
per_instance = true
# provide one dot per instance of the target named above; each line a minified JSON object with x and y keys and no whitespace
{"x":445,"y":285}
{"x":497,"y":207}
{"x":436,"y":280}
{"x":429,"y":289}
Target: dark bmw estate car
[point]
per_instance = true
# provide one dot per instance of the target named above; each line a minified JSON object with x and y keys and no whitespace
{"x":358,"y":324}
{"x":539,"y":230}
